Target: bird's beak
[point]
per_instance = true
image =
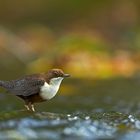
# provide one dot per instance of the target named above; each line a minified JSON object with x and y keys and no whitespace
{"x":66,"y":75}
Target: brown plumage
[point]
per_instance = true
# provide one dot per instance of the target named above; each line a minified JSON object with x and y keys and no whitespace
{"x":29,"y":87}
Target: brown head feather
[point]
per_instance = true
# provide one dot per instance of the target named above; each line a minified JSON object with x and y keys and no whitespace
{"x":54,"y":73}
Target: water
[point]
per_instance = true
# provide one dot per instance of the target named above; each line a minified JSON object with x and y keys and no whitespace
{"x":85,"y":110}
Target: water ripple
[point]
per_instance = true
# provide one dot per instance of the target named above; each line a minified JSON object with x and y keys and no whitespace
{"x":55,"y":126}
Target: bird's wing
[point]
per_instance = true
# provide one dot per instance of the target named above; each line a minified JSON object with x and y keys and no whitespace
{"x":27,"y":86}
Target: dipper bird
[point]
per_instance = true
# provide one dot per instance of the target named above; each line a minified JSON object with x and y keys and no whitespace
{"x":36,"y":87}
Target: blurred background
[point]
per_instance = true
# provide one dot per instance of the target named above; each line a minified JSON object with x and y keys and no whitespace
{"x":98,"y":43}
{"x":89,"y":39}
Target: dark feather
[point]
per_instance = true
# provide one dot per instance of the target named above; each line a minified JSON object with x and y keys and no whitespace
{"x":26,"y":86}
{"x":30,"y":84}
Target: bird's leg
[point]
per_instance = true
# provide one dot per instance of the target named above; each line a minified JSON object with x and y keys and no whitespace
{"x":32,"y":108}
{"x":27,"y":107}
{"x":27,"y":104}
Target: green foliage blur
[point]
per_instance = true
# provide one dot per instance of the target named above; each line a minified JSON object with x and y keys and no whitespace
{"x":89,"y":39}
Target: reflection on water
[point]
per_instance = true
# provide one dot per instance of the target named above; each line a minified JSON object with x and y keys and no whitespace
{"x":95,"y":110}
{"x":67,"y":126}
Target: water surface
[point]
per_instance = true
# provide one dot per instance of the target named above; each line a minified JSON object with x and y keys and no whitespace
{"x":85,"y":109}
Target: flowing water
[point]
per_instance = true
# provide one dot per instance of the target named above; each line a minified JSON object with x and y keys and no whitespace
{"x":85,"y":110}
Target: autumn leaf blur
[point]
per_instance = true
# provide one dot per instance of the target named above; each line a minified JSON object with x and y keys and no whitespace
{"x":89,"y":39}
{"x":97,"y":42}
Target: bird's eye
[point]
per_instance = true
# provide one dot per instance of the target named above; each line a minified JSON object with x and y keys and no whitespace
{"x":56,"y":74}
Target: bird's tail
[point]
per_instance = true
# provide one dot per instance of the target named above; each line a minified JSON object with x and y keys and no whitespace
{"x":6,"y":84}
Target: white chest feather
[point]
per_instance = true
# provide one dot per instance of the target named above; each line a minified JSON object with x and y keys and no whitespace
{"x":48,"y":91}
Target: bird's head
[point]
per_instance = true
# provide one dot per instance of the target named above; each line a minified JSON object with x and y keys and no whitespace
{"x":56,"y":75}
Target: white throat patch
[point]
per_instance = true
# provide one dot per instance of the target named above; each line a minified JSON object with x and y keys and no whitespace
{"x":48,"y":91}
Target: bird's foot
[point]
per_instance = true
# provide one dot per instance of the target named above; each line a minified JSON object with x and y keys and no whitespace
{"x":30,"y":107}
{"x":27,"y":107}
